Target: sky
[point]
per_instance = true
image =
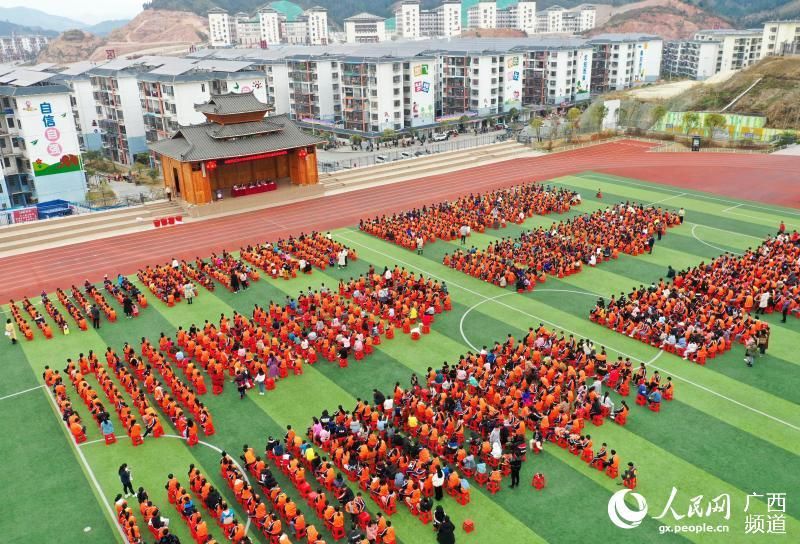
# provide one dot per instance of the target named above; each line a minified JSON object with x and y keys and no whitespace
{"x":89,"y":11}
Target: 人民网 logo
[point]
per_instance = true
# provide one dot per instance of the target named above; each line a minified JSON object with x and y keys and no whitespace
{"x":621,"y":514}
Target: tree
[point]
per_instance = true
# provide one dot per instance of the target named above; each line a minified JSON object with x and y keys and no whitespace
{"x":389,"y":134}
{"x":573,"y":118}
{"x":598,"y":114}
{"x":714,"y":122}
{"x":536,"y":123}
{"x":690,"y":121}
{"x":513,"y":114}
{"x":658,"y":114}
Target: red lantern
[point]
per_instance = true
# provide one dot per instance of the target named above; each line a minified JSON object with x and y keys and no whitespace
{"x":302,"y":153}
{"x":211,"y":165}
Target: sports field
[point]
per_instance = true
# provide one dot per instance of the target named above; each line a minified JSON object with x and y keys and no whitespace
{"x":731,"y":430}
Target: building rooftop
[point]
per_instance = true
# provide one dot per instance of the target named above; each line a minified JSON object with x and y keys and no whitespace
{"x":232,"y":103}
{"x":364,"y":16}
{"x":203,"y":142}
{"x":622,"y":38}
{"x":731,"y":32}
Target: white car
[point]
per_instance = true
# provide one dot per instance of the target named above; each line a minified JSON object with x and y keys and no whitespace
{"x":440,"y":137}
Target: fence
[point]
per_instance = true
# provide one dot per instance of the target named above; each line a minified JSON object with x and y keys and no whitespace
{"x":95,"y":205}
{"x":389,"y":153}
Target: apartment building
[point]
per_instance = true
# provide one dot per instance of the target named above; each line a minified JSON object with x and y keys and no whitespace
{"x":559,"y":20}
{"x":365,"y":28}
{"x":407,"y":19}
{"x":693,"y":59}
{"x":21,"y":47}
{"x":445,"y":20}
{"x":482,"y":15}
{"x":222,"y":28}
{"x":267,"y":27}
{"x":270,"y":25}
{"x":622,"y":61}
{"x":315,"y":92}
{"x":780,"y":38}
{"x":737,"y":48}
{"x":372,"y":94}
{"x":39,"y":148}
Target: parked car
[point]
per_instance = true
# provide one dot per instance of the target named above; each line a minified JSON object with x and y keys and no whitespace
{"x":405,"y":155}
{"x":441,"y":136}
{"x":380,"y":158}
{"x":501,"y":126}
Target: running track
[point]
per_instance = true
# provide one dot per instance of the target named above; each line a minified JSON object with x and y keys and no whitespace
{"x":764,"y":178}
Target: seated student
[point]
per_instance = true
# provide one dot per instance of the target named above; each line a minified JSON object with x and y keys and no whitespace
{"x":226,"y":517}
{"x":630,"y":473}
{"x":623,"y":409}
{"x":655,"y":396}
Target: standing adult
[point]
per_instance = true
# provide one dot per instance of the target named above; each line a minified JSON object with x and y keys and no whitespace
{"x":235,"y":282}
{"x":127,"y":306}
{"x":95,"y":313}
{"x":11,"y":332}
{"x":126,"y":477}
{"x":420,"y":244}
{"x":464,"y":232}
{"x":341,"y":258}
{"x":681,"y":215}
{"x":447,"y":532}
{"x":188,"y":292}
{"x":438,"y":484}
{"x":650,"y":243}
{"x":516,"y":465}
{"x":763,"y":302}
{"x":168,"y":192}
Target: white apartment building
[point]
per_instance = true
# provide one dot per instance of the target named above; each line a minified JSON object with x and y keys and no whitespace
{"x":694,"y":59}
{"x":317,"y":32}
{"x":314,"y":89}
{"x":270,"y":25}
{"x":559,"y":20}
{"x":222,"y":28}
{"x":372,"y":94}
{"x":443,"y":21}
{"x":482,"y":15}
{"x":267,"y":27}
{"x":295,"y":32}
{"x":21,"y":47}
{"x":407,"y":19}
{"x":737,"y":48}
{"x":39,"y":147}
{"x":248,"y":30}
{"x":780,"y":38}
{"x":622,"y":61}
{"x":526,"y":16}
{"x":365,"y":28}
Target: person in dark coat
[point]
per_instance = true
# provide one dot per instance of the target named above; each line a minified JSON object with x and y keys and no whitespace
{"x":95,"y":312}
{"x":127,"y":307}
{"x":447,"y":532}
{"x":235,"y":282}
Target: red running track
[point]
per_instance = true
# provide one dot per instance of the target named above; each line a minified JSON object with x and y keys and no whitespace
{"x":764,"y":178}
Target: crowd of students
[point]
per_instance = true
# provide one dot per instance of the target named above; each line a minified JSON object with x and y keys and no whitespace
{"x":703,"y":310}
{"x":566,"y":247}
{"x":450,"y":220}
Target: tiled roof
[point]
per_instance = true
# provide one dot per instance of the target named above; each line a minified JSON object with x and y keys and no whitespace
{"x":198,"y":142}
{"x":231,"y":103}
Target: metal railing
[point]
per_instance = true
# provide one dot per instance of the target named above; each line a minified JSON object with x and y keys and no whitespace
{"x":392,"y":154}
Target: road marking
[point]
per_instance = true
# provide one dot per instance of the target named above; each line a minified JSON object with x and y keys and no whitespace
{"x":89,"y":470}
{"x":696,"y":237}
{"x":21,"y":392}
{"x":577,"y":334}
{"x":202,"y":443}
{"x":759,"y":218}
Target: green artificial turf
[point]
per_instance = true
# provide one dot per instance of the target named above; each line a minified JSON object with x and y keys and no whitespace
{"x":730,"y":429}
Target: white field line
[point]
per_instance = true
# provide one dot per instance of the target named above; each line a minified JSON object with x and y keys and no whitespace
{"x":577,"y":334}
{"x":21,"y":392}
{"x":89,"y":471}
